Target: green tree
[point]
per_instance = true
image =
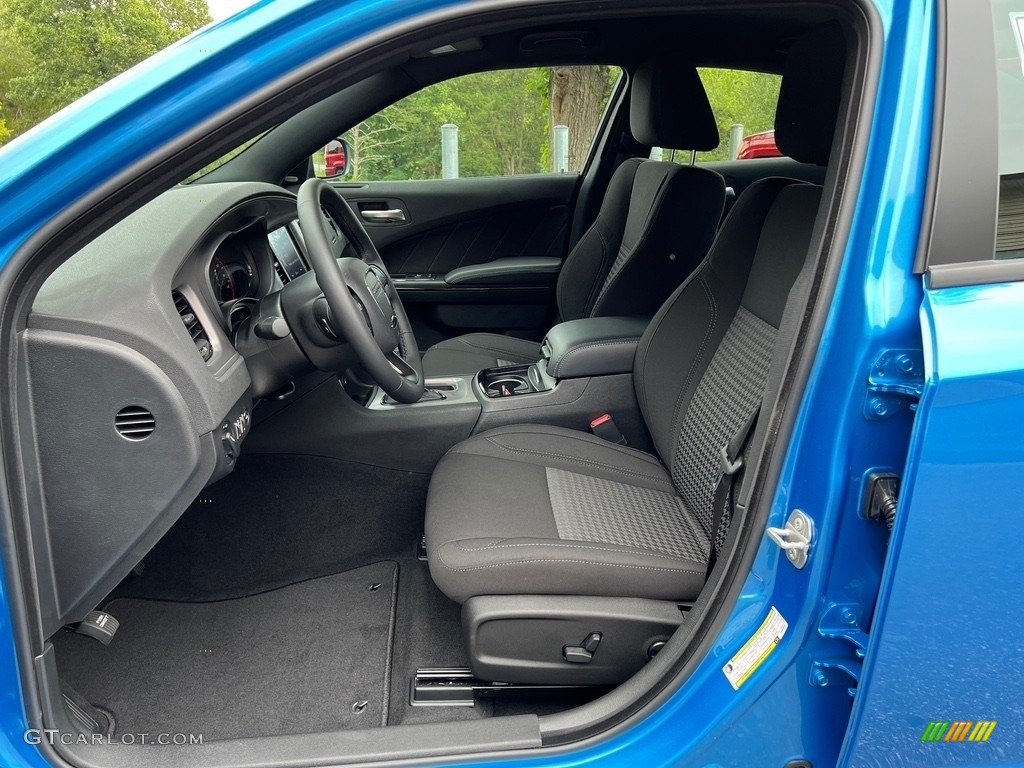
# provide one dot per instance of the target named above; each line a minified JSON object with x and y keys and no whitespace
{"x":502,"y":129}
{"x":743,"y":97}
{"x":52,"y":52}
{"x":504,"y":119}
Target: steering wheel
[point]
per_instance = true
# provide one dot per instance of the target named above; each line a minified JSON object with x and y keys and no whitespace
{"x":365,"y":308}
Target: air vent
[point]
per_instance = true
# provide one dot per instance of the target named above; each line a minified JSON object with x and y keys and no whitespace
{"x":133,"y":422}
{"x":192,"y":325}
{"x":281,"y":274}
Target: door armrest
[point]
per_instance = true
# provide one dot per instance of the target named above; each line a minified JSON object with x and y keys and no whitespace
{"x":521,"y":270}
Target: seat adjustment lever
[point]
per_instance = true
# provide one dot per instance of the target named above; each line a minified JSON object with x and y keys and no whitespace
{"x":584,"y":652}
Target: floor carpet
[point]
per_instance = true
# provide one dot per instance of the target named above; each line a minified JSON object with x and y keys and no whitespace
{"x":313,"y":656}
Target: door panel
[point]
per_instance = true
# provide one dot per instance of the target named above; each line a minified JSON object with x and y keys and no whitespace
{"x":426,"y":229}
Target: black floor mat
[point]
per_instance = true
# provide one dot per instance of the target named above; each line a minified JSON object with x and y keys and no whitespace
{"x":300,"y":659}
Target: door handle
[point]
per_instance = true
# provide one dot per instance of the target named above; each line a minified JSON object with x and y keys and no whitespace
{"x":391,"y":215}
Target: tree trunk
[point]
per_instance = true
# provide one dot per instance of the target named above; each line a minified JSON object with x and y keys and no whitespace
{"x":356,"y":161}
{"x":578,"y":97}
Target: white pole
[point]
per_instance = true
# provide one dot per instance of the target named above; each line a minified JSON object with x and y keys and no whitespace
{"x":449,"y":151}
{"x":735,"y":139}
{"x":561,"y":142}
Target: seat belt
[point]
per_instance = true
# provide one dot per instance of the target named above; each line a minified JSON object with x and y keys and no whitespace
{"x":731,"y":461}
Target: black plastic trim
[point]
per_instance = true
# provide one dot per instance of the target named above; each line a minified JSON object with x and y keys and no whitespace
{"x":964,"y":193}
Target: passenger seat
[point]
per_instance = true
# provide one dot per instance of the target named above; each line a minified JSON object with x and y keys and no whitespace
{"x":656,"y":223}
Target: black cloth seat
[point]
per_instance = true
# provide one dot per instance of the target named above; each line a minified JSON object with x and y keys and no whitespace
{"x":540,"y":510}
{"x":656,"y":223}
{"x":537,"y":510}
{"x":546,"y":518}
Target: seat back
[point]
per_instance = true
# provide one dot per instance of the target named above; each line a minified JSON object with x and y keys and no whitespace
{"x":657,"y":219}
{"x":702,"y":366}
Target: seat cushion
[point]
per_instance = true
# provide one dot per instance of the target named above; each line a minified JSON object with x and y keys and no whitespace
{"x":476,"y":351}
{"x":544,"y":510}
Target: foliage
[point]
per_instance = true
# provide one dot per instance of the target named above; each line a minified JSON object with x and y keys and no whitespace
{"x":502,"y":129}
{"x":54,"y":51}
{"x":505,"y":120}
{"x":228,"y":156}
{"x":738,"y":96}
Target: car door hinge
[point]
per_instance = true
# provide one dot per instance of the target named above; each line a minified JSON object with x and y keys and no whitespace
{"x":841,"y":621}
{"x":895,"y":383}
{"x":796,"y":538}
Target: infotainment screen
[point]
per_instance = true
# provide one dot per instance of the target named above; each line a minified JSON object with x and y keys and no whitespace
{"x":283,"y":246}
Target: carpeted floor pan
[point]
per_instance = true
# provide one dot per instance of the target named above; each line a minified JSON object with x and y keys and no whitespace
{"x":293,"y":660}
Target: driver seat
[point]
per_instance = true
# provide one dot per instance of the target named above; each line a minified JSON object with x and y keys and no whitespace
{"x":533,"y":511}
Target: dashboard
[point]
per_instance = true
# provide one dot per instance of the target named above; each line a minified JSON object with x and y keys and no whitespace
{"x":134,"y":376}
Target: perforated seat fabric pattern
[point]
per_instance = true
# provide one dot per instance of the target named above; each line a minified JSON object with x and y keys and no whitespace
{"x":596,"y":510}
{"x":729,"y":392}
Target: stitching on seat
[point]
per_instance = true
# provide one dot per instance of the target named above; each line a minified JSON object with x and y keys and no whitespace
{"x":643,"y":350}
{"x":484,"y":347}
{"x":624,"y":551}
{"x":581,"y":436}
{"x":585,"y":462}
{"x":677,"y":411}
{"x":591,"y":345}
{"x":582,"y":562}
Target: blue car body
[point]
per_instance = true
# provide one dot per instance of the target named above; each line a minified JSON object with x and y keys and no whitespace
{"x":943,"y":642}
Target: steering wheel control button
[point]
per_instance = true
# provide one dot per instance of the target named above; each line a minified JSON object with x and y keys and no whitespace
{"x":584,"y":652}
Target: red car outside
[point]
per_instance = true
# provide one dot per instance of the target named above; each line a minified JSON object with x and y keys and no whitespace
{"x":758,"y":145}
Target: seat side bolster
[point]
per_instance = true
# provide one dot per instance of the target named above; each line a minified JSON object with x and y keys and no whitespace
{"x":589,"y":263}
{"x":674,"y":212}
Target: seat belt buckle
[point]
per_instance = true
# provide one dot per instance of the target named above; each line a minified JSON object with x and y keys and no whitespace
{"x":729,"y":466}
{"x":604,"y":427}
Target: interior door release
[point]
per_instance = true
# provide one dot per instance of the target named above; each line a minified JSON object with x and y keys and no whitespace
{"x":390,"y":215}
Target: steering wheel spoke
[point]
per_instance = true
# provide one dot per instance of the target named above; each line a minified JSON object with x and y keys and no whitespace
{"x":400,"y":364}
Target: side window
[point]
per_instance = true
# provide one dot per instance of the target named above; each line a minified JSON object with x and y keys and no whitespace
{"x":501,"y":123}
{"x":1008,"y":17}
{"x":744,"y":106}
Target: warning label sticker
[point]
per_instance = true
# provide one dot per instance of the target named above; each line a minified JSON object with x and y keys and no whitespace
{"x":756,"y":649}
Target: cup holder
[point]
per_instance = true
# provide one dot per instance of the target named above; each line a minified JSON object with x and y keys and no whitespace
{"x":506,"y":386}
{"x":506,"y":382}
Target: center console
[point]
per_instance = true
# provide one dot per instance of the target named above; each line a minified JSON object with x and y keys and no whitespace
{"x":584,"y":371}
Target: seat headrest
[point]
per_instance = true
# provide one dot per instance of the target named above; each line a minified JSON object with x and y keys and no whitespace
{"x":812,"y":88}
{"x":669,"y":108}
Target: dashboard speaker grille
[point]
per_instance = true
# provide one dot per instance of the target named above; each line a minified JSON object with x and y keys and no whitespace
{"x":192,"y":325}
{"x":133,"y":422}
